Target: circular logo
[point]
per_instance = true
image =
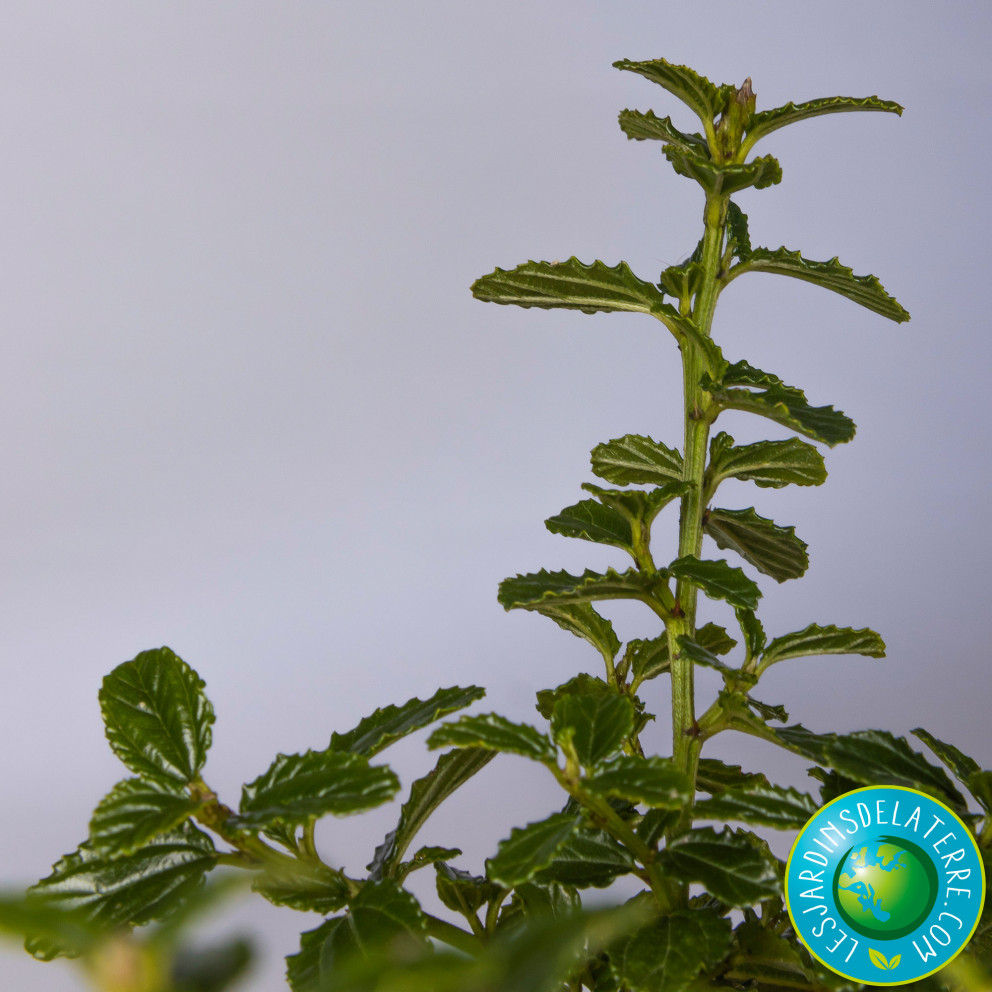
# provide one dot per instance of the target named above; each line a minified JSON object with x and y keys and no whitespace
{"x":884,"y":885}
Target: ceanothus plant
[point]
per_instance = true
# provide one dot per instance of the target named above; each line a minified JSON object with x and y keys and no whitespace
{"x":709,"y":912}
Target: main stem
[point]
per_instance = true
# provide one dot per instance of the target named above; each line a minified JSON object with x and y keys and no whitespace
{"x":685,"y":742}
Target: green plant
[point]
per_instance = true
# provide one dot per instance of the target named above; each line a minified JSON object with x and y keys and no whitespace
{"x":624,"y":813}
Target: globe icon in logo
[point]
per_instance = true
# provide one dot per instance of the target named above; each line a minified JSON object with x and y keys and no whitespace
{"x":885,"y":887}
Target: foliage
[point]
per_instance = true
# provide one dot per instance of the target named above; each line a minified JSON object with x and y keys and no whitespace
{"x":620,"y":813}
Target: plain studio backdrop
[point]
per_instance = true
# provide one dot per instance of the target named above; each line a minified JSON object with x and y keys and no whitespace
{"x":250,"y":409}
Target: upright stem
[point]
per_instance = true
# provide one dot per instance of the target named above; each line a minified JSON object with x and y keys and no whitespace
{"x":685,"y":746}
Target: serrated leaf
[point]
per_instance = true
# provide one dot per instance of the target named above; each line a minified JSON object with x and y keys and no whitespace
{"x":591,"y":521}
{"x":593,"y":726}
{"x":966,"y":770}
{"x":715,"y":639}
{"x":715,"y":776}
{"x":726,"y":864}
{"x":669,"y":952}
{"x":648,"y":127}
{"x":766,"y":958}
{"x":723,"y":179}
{"x":42,"y":926}
{"x":639,"y":506}
{"x":817,"y":640}
{"x":769,"y":547}
{"x":864,"y":290}
{"x":764,"y":122}
{"x":753,"y":633}
{"x":544,"y":588}
{"x":311,"y":888}
{"x":587,"y":859}
{"x":579,"y":685}
{"x":582,"y":620}
{"x":383,"y":920}
{"x":651,"y":781}
{"x":133,"y":889}
{"x":462,"y":891}
{"x":689,"y":648}
{"x":389,"y":724}
{"x":655,"y":823}
{"x":135,"y":811}
{"x":529,"y":849}
{"x":157,"y":717}
{"x":704,"y":98}
{"x":428,"y":855}
{"x":873,"y":757}
{"x":738,"y":236}
{"x":787,"y":406}
{"x":573,"y":285}
{"x":762,"y":804}
{"x":296,"y":787}
{"x":648,"y":658}
{"x":767,"y":711}
{"x":718,"y":580}
{"x":769,"y":464}
{"x":453,"y":770}
{"x":636,"y":459}
{"x":495,"y":732}
{"x":303,"y":967}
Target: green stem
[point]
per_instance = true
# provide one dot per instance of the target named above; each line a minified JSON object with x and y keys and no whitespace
{"x":448,"y":933}
{"x":684,"y":748}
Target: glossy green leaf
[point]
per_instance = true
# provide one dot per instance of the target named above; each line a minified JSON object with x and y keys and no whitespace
{"x":383,"y":920}
{"x":648,"y":127}
{"x":593,"y":726}
{"x":726,"y":864}
{"x":769,"y":464}
{"x":391,"y":723}
{"x":534,"y":900}
{"x":714,"y":639}
{"x":579,"y":685}
{"x":311,"y":888}
{"x":764,"y":122}
{"x":864,"y":290}
{"x":753,"y":633}
{"x":636,"y":459}
{"x":587,"y":859}
{"x":722,"y":179}
{"x":765,"y":805}
{"x":529,"y":849}
{"x":495,"y":732}
{"x":704,"y":98}
{"x":767,"y":711}
{"x":651,"y":781}
{"x":590,"y":520}
{"x":873,"y":757}
{"x":738,"y":235}
{"x":767,"y":959}
{"x":770,"y":548}
{"x":49,"y":927}
{"x":718,"y":580}
{"x":639,"y":507}
{"x":787,"y":406}
{"x":716,"y":776}
{"x":303,"y":967}
{"x":135,"y":811}
{"x":582,"y":620}
{"x":966,"y":770}
{"x":134,"y":889}
{"x":817,"y":640}
{"x":573,"y":285}
{"x":544,"y":588}
{"x":296,"y":787}
{"x":648,"y":658}
{"x":157,"y":717}
{"x":655,"y":823}
{"x":671,"y":951}
{"x":462,"y":891}
{"x":453,"y":770}
{"x":427,"y":855}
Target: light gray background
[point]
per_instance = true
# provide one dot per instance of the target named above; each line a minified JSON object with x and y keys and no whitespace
{"x":250,"y":409}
